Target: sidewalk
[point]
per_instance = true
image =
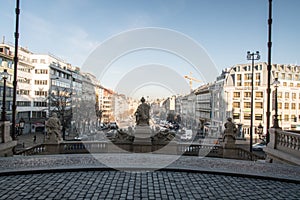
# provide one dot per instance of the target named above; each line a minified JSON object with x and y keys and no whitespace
{"x":27,"y":140}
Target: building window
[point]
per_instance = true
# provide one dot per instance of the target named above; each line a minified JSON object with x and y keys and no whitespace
{"x":247,"y":84}
{"x":293,"y":106}
{"x":286,"y":105}
{"x":294,"y":118}
{"x":236,"y":115}
{"x":279,"y":105}
{"x":257,"y":79}
{"x":43,"y":61}
{"x":247,"y":105}
{"x":34,"y":60}
{"x":247,"y":77}
{"x":258,"y":117}
{"x":294,"y":96}
{"x":286,"y":118}
{"x":247,"y":116}
{"x":287,"y":95}
{"x":23,"y":103}
{"x":259,"y":95}
{"x":285,"y":84}
{"x":40,"y":104}
{"x":40,"y":82}
{"x":291,"y":84}
{"x":22,"y":92}
{"x":38,"y":114}
{"x":247,"y":94}
{"x":41,"y":71}
{"x":40,"y":93}
{"x":236,"y":94}
{"x":279,"y":95}
{"x":258,"y":105}
{"x":239,"y":77}
{"x":236,"y":105}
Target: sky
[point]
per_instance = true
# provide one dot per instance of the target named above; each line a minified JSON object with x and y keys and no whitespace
{"x":224,"y":29}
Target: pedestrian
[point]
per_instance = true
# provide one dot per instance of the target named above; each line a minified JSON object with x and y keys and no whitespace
{"x":34,"y":139}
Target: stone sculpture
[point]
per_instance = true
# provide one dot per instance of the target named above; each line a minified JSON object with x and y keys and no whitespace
{"x":53,"y":127}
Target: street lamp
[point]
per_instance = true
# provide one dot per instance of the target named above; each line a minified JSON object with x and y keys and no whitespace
{"x":252,"y":56}
{"x":4,"y":76}
{"x":275,"y":123}
{"x":260,"y":130}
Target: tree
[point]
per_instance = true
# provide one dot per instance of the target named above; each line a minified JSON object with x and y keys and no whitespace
{"x":61,"y":103}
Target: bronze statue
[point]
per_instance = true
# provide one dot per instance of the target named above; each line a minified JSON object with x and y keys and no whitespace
{"x":142,"y":113}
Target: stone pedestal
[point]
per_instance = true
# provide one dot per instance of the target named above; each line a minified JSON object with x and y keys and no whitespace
{"x":229,"y":148}
{"x":7,"y":144}
{"x":142,"y":139}
{"x":142,"y":135}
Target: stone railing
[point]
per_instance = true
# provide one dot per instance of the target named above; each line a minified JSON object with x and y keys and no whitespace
{"x":247,"y":155}
{"x":199,"y":150}
{"x":284,"y":146}
{"x":79,"y":147}
{"x":35,"y":150}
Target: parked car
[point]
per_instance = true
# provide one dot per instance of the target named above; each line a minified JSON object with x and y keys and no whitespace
{"x":111,"y":133}
{"x":81,"y":138}
{"x":113,"y":125}
{"x":188,"y":135}
{"x":259,"y":146}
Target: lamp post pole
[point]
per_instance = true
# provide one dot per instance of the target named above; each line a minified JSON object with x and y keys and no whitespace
{"x":3,"y":112}
{"x":276,"y":83}
{"x":252,"y":56}
{"x":14,"y":103}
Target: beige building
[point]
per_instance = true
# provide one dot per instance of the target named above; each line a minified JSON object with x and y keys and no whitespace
{"x":237,"y":94}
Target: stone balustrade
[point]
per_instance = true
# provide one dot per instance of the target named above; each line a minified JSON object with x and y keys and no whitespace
{"x":173,"y":148}
{"x":284,"y":146}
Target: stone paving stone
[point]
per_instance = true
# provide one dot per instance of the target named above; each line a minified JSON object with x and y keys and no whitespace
{"x":156,"y":185}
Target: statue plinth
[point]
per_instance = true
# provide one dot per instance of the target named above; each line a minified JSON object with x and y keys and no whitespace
{"x":142,"y":139}
{"x":6,"y":142}
{"x":142,"y":135}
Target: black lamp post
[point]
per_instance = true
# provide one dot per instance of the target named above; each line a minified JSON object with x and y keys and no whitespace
{"x":21,"y":125}
{"x":252,"y":57}
{"x":4,"y":76}
{"x":275,"y":123}
{"x":260,"y":130}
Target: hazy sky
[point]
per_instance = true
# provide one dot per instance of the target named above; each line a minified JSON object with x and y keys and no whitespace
{"x":226,"y":29}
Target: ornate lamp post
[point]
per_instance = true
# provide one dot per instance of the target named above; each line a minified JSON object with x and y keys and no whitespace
{"x":260,"y":130}
{"x":4,"y":76}
{"x":275,"y":123}
{"x":252,"y":57}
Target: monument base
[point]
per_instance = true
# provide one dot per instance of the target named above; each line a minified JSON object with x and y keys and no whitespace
{"x":6,"y":142}
{"x":142,"y":139}
{"x":229,"y":148}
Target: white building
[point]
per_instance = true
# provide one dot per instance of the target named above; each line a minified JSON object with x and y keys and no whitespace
{"x":237,"y":88}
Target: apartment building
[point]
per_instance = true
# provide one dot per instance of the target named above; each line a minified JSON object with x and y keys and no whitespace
{"x":238,"y":92}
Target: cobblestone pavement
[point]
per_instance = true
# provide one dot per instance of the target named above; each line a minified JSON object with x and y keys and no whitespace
{"x":142,"y":185}
{"x":85,"y":176}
